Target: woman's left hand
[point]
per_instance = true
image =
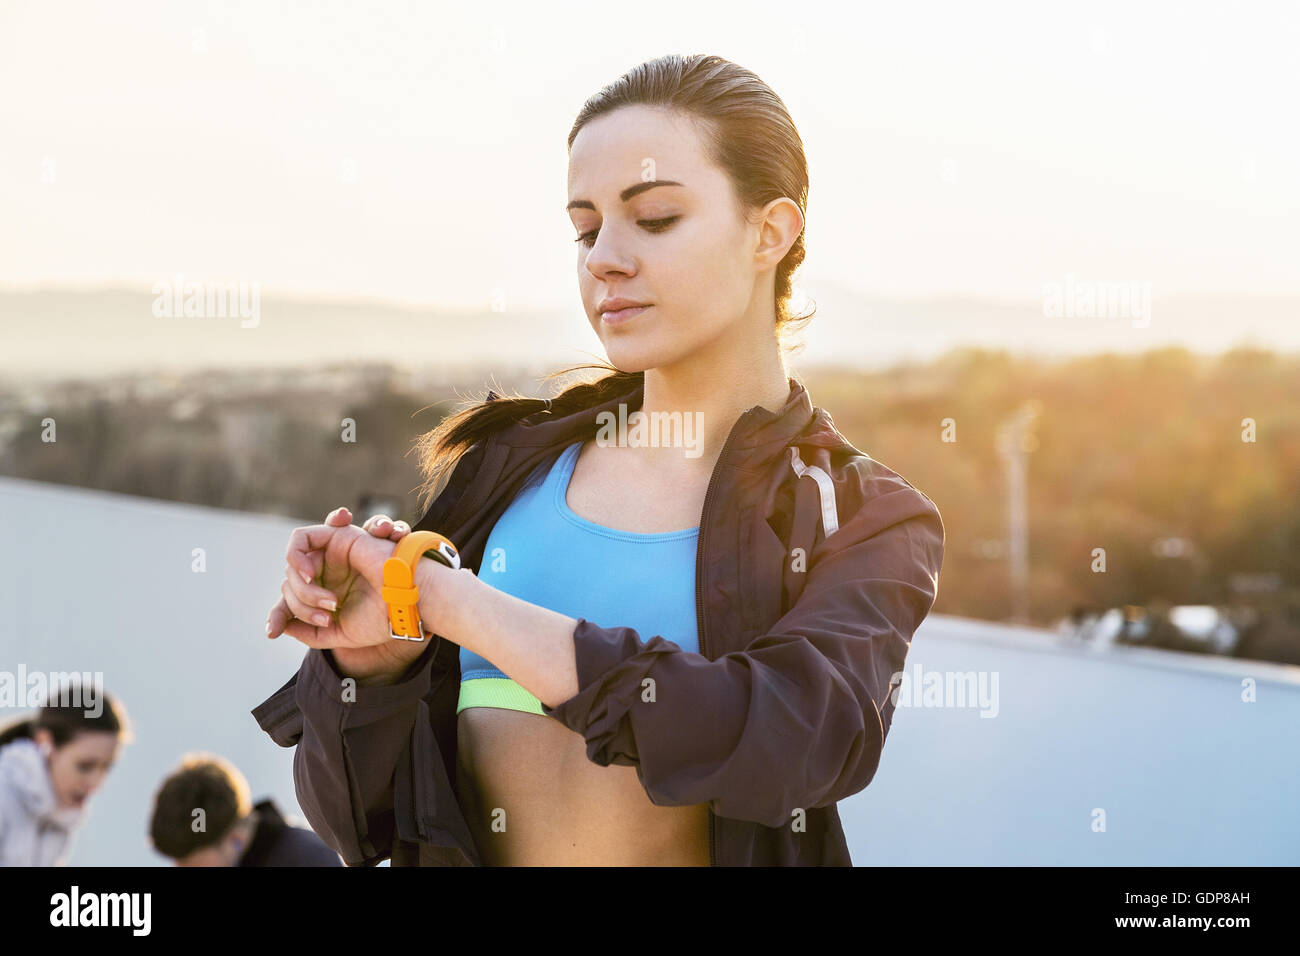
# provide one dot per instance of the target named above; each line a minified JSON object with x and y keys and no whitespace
{"x":382,"y":526}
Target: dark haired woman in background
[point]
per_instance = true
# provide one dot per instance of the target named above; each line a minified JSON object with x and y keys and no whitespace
{"x":757,"y":590}
{"x":50,"y":766}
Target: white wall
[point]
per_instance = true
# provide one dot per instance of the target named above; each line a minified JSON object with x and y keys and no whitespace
{"x":1186,"y":772}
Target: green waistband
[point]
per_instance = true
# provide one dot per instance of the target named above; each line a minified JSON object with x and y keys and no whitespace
{"x":497,"y":692}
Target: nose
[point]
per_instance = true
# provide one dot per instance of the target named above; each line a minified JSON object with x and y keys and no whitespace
{"x":605,"y":258}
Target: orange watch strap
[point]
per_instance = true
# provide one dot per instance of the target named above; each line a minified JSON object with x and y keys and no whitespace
{"x":400,"y":592}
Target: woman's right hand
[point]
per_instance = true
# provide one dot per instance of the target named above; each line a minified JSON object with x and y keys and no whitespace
{"x":337,"y":562}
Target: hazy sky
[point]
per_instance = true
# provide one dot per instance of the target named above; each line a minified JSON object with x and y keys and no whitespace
{"x":417,"y":152}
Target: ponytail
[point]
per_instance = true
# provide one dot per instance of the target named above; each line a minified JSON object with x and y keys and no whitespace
{"x":441,"y":448}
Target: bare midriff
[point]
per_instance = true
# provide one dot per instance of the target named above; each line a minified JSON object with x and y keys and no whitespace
{"x":530,"y":794}
{"x":532,"y":797}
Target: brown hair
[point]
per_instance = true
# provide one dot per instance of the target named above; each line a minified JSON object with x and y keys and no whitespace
{"x":203,"y":781}
{"x":748,"y":133}
{"x":66,"y":721}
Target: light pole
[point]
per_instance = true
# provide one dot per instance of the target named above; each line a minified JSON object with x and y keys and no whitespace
{"x":1015,"y":441}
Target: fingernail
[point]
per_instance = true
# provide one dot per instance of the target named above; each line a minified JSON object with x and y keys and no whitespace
{"x":306,"y":578}
{"x":330,"y":604}
{"x":268,"y":628}
{"x":321,"y":619}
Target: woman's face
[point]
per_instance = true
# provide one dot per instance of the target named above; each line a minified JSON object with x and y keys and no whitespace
{"x":78,"y":768}
{"x":685,"y":250}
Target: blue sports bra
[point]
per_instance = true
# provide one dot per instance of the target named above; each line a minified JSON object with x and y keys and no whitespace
{"x":542,"y":552}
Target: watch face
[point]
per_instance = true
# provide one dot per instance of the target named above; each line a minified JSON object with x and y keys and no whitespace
{"x":444,"y":553}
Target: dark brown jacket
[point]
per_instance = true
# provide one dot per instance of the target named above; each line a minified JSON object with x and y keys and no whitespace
{"x":815,"y":565}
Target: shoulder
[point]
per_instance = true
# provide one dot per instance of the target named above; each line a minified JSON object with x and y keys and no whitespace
{"x":23,"y":780}
{"x":296,"y":845}
{"x":308,"y":849}
{"x":878,"y":491}
{"x":862,"y":499}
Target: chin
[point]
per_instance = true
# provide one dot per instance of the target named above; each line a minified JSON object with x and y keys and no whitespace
{"x":627,"y":364}
{"x":632,"y":357}
{"x":641,"y":360}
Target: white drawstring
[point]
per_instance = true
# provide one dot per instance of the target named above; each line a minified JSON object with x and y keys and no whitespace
{"x":826,"y":487}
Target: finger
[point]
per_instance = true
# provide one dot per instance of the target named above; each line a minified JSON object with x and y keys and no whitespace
{"x":339,"y":517}
{"x":315,"y":561}
{"x":381,"y":526}
{"x":305,"y":540}
{"x":311,"y":595}
{"x":301,"y":610}
{"x":378,"y":525}
{"x":308,"y":635}
{"x":279,"y":617}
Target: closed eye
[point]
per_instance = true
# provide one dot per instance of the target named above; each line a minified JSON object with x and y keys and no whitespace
{"x":653,"y":225}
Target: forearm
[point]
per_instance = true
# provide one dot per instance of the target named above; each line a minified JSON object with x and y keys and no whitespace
{"x":533,"y":644}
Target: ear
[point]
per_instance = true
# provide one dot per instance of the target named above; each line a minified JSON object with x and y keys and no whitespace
{"x":45,"y":740}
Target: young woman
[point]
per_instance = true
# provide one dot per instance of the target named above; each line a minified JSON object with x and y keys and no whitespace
{"x":50,"y":766}
{"x":756,"y":578}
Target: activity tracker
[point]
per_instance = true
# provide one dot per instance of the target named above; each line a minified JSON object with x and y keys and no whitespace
{"x":400,"y":593}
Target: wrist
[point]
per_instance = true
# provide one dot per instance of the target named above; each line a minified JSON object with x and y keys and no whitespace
{"x":443,"y":591}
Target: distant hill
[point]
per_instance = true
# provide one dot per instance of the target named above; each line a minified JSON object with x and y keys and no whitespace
{"x":72,"y":332}
{"x":58,"y":333}
{"x":860,"y":331}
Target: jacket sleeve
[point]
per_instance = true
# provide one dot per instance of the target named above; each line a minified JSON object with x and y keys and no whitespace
{"x":348,"y":750}
{"x":798,"y":718}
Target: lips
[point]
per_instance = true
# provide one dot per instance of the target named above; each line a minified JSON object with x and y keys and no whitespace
{"x":617,"y":303}
{"x":622,"y":315}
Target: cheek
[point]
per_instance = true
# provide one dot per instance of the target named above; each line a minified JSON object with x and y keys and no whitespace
{"x":708,"y":268}
{"x":63,"y":777}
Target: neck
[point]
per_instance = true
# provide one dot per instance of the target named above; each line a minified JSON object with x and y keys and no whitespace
{"x":720,"y":384}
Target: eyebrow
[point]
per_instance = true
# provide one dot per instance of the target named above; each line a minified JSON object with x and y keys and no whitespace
{"x":625,"y":195}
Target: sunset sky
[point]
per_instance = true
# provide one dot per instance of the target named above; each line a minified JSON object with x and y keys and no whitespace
{"x":417,"y":153}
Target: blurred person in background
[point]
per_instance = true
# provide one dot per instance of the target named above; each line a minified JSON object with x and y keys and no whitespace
{"x":203,"y":815}
{"x":50,"y":766}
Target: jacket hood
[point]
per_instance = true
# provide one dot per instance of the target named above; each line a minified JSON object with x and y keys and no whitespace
{"x":759,"y":434}
{"x":24,"y":775}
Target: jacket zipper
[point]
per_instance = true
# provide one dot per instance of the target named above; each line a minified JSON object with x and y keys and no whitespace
{"x":700,"y":620}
